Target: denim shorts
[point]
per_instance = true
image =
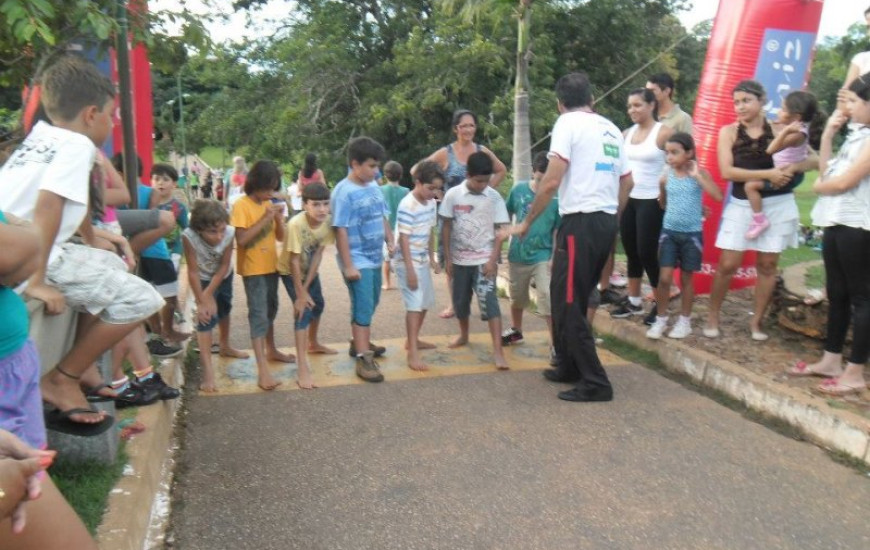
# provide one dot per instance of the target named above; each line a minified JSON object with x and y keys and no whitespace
{"x":365,"y":293}
{"x":21,"y":406}
{"x":262,"y":294}
{"x":683,"y":250}
{"x":223,"y":297}
{"x":468,"y":279}
{"x":315,"y":292}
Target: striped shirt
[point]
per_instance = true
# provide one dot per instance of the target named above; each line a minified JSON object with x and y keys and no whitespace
{"x":360,"y":209}
{"x":415,"y":220}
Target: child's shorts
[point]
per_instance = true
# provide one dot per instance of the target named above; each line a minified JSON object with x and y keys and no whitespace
{"x":365,"y":294}
{"x":796,"y":180}
{"x":316,"y":294}
{"x":21,"y":406}
{"x":468,"y":279}
{"x":223,"y":297}
{"x":262,"y":294}
{"x":161,"y":273}
{"x":683,"y":250}
{"x":98,"y":282}
{"x":521,"y":279}
{"x":423,"y":297}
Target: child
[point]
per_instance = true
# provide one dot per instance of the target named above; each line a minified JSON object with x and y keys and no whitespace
{"x":393,"y":195}
{"x":258,"y":226}
{"x":306,"y":237}
{"x":159,"y":262}
{"x":45,"y":181}
{"x":415,"y":253}
{"x":471,"y":212}
{"x":681,"y":241}
{"x":295,"y":194}
{"x":359,"y":216}
{"x":801,"y":123}
{"x":531,"y":256}
{"x":208,"y":250}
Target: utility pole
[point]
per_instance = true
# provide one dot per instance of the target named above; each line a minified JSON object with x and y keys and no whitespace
{"x":126,"y":95}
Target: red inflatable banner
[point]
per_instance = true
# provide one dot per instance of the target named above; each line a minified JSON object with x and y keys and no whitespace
{"x":767,"y":40}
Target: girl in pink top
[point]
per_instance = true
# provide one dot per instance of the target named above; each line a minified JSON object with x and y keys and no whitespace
{"x":310,"y":173}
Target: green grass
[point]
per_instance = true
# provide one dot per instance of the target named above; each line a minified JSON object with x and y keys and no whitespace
{"x":87,"y":486}
{"x":815,"y":277}
{"x":805,"y":197}
{"x":216,"y":157}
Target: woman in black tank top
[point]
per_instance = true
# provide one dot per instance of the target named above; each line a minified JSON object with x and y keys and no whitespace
{"x":743,"y":157}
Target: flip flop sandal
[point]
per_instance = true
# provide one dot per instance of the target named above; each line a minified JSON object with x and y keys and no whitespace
{"x":802,"y":369}
{"x":59,"y":421}
{"x":93,"y":395}
{"x":834,"y":388}
{"x":215,"y":348}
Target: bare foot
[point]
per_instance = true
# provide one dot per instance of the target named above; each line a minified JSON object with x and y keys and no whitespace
{"x":208,"y":387}
{"x":500,"y":362}
{"x":233,"y":352}
{"x":417,"y":364}
{"x":64,"y":393}
{"x":268,"y":383}
{"x":447,"y":313}
{"x":320,"y":348}
{"x":421,"y":345}
{"x":304,"y":381}
{"x":276,"y":355}
{"x":457,"y":342}
{"x":388,"y":287}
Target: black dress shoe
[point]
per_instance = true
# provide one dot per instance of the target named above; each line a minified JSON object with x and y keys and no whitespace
{"x":557,"y":375}
{"x":587,"y":394}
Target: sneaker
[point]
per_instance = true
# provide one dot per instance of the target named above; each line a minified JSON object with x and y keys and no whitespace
{"x":610,"y":296}
{"x":554,"y":357}
{"x":651,"y":316}
{"x":367,"y":368}
{"x":377,"y":350}
{"x":759,"y":224}
{"x":658,"y":328}
{"x":160,"y":349}
{"x":135,"y":396}
{"x":618,"y":280}
{"x":511,"y":336}
{"x":626,"y":309}
{"x":682,"y":328}
{"x":156,"y":384}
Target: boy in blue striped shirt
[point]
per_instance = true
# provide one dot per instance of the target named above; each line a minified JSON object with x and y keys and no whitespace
{"x":359,"y":217}
{"x":416,"y":219}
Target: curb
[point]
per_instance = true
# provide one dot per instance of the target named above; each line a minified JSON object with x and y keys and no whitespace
{"x":819,"y":422}
{"x":138,"y":504}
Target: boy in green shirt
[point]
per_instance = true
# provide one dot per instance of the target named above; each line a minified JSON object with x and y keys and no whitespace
{"x":532,"y":256}
{"x":393,"y":195}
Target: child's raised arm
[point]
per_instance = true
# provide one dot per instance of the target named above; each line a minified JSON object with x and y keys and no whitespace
{"x":790,"y":136}
{"x":705,"y":180}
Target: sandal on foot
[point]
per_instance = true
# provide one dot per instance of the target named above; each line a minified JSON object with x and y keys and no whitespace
{"x":93,"y":394}
{"x":59,"y":421}
{"x":834,"y":388}
{"x":802,"y":368}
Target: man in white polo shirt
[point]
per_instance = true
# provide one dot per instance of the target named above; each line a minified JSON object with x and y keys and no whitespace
{"x":588,"y":168}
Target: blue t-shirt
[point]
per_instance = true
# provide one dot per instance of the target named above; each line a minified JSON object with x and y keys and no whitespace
{"x":537,"y":245}
{"x":14,"y":322}
{"x":158,"y":250}
{"x":360,"y":208}
{"x":684,"y":210}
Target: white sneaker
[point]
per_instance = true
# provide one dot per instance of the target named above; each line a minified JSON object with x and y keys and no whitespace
{"x":658,"y":328}
{"x":682,"y":328}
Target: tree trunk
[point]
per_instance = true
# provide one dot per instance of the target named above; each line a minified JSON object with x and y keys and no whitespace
{"x":522,"y":154}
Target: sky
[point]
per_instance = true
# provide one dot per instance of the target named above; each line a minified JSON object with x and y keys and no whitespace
{"x":837,"y":15}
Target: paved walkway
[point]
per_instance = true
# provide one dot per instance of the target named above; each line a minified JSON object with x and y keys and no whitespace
{"x":494,"y":460}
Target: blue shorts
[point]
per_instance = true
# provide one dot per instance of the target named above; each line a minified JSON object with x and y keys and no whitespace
{"x":223,"y":297}
{"x":314,"y":291}
{"x":365,"y":294}
{"x":683,"y":250}
{"x":21,"y":406}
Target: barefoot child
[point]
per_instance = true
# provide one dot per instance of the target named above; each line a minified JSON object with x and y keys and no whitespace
{"x":801,"y":122}
{"x":208,"y":251}
{"x":415,"y":254}
{"x":393,"y":195}
{"x":258,"y":223}
{"x":531,"y":256}
{"x":471,"y":212}
{"x":307,"y":235}
{"x":359,"y":216}
{"x":680,"y":244}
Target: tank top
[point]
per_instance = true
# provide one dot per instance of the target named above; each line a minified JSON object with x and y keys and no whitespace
{"x":303,"y":181}
{"x":646,"y":161}
{"x":455,"y":172}
{"x":751,"y":154}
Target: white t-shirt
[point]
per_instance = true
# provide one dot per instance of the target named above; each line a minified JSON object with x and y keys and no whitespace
{"x":474,"y":218}
{"x":593,"y":148}
{"x":647,"y":162}
{"x":50,"y":159}
{"x":862,"y":60}
{"x":295,"y":197}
